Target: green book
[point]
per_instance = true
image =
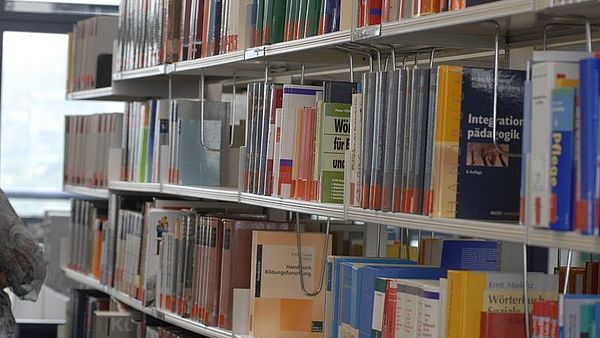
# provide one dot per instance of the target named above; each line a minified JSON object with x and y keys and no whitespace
{"x":335,"y":138}
{"x":277,"y":21}
{"x":301,"y":20}
{"x":586,"y":320}
{"x":268,"y":21}
{"x":260,"y":7}
{"x":312,"y":17}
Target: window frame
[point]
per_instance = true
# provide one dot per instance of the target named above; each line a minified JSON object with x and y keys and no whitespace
{"x":31,"y":22}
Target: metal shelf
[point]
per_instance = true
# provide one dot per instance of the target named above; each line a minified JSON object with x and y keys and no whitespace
{"x":100,"y":193}
{"x":564,"y":240}
{"x":470,"y":228}
{"x":105,"y":93}
{"x":149,"y":72}
{"x":225,"y":194}
{"x":86,"y":280}
{"x":135,"y":187}
{"x":190,"y":325}
{"x":315,"y":208}
{"x":218,"y":65}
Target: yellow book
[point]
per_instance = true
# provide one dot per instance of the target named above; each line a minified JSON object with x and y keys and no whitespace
{"x":472,"y":292}
{"x":446,"y":141}
{"x":278,"y":306}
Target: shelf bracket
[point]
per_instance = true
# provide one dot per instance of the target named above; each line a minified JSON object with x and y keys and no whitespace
{"x":231,"y":119}
{"x":301,"y":265}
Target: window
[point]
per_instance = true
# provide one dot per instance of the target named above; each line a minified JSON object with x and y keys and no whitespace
{"x":34,"y":74}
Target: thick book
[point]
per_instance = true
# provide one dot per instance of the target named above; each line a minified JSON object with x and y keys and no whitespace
{"x":465,"y":157}
{"x":369,"y":93}
{"x":544,"y":76}
{"x":278,"y":305}
{"x":335,"y":138}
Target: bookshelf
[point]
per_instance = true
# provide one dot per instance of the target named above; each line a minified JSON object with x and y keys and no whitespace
{"x":458,"y":32}
{"x":153,"y":312}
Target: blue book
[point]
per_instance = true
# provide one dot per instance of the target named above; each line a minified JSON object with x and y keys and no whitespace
{"x":480,"y":163}
{"x":589,"y":90}
{"x":470,"y":255}
{"x":596,"y":333}
{"x":334,"y":288}
{"x":351,"y":275}
{"x":569,"y":324}
{"x":367,"y":288}
{"x":562,"y":155}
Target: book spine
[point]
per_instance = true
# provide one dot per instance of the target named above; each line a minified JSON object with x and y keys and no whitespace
{"x":400,"y":140}
{"x":356,"y":149}
{"x":561,"y":158}
{"x":427,"y":192}
{"x":369,"y":82}
{"x":444,"y":174}
{"x":589,"y":92}
{"x":390,"y":138}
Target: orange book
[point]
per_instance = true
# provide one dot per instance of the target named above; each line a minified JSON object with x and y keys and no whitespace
{"x":278,"y":305}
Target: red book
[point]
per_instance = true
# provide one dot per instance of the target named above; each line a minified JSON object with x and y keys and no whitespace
{"x":388,"y":328}
{"x":205,"y":29}
{"x":502,"y":325}
{"x":373,"y":11}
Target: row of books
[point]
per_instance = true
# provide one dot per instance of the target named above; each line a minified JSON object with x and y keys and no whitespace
{"x":165,"y":31}
{"x":162,"y":143}
{"x":421,"y":142}
{"x":376,"y":12}
{"x":560,"y":184}
{"x":404,"y":129}
{"x":277,"y":21}
{"x":93,"y":314}
{"x":296,"y":139}
{"x":90,"y":53}
{"x":88,"y":140}
{"x":88,"y":228}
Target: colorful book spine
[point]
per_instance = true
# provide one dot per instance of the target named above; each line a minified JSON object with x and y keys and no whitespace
{"x":562,"y":157}
{"x":589,"y":92}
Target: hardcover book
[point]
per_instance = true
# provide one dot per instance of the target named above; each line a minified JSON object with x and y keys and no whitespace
{"x":465,"y":157}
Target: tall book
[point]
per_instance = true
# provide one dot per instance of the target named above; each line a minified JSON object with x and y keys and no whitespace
{"x":295,"y":97}
{"x":544,"y":77}
{"x":278,"y":305}
{"x":335,"y":138}
{"x":588,"y":199}
{"x":465,"y":158}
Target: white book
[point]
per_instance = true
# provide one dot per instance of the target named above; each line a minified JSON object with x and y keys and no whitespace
{"x":443,"y":312}
{"x":356,"y":149}
{"x":294,"y":97}
{"x":544,"y":75}
{"x":429,"y":319}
